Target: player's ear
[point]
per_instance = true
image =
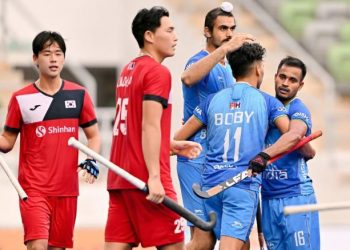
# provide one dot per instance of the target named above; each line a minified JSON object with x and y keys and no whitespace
{"x":301,"y":85}
{"x":148,"y":36}
{"x":35,"y":60}
{"x":207,"y":32}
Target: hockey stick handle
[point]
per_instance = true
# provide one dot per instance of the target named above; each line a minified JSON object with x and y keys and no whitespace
{"x":259,"y":225}
{"x":301,"y":143}
{"x":22,"y":194}
{"x":168,"y":202}
{"x":288,"y":210}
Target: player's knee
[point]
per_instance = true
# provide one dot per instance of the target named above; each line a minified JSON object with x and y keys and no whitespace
{"x":203,"y":243}
{"x":37,"y":245}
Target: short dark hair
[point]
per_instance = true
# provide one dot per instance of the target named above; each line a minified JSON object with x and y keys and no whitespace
{"x":294,"y":62}
{"x":147,"y":20}
{"x":212,"y":15}
{"x":43,"y":37}
{"x":243,"y":58}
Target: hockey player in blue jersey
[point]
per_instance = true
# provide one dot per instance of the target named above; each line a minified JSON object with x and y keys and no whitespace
{"x":237,"y":120}
{"x":286,"y":181}
{"x":205,"y":73}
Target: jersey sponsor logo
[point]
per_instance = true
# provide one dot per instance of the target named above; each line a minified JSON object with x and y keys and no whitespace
{"x":235,"y":105}
{"x":70,"y":104}
{"x":124,"y":81}
{"x":41,"y":131}
{"x":233,"y":118}
{"x":275,"y":174}
{"x":301,"y":116}
{"x":223,"y":166}
{"x":35,"y":107}
{"x":282,"y":109}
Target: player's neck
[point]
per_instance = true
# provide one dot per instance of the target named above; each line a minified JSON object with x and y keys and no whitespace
{"x":49,"y":85}
{"x":251,"y":81}
{"x":152,"y":54}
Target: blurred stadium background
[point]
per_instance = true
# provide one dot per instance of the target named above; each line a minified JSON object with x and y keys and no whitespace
{"x":99,"y":43}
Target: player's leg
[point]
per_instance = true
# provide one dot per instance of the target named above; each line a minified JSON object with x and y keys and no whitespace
{"x":154,"y":224}
{"x":201,"y":240}
{"x":301,"y":231}
{"x":63,"y":215}
{"x":271,"y":224}
{"x":35,"y":214}
{"x":238,"y":216}
{"x":188,"y":174}
{"x":119,"y":234}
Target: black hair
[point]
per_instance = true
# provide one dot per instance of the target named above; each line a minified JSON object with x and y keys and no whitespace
{"x":43,"y":37}
{"x":293,"y":62}
{"x":147,"y":20}
{"x":212,"y":15}
{"x":243,"y":58}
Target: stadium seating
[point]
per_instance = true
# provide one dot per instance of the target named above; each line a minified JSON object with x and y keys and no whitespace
{"x":323,"y":28}
{"x":338,"y":63}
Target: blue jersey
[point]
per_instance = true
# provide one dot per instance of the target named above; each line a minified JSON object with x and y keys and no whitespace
{"x":237,"y":119}
{"x":219,"y":77}
{"x":288,"y":176}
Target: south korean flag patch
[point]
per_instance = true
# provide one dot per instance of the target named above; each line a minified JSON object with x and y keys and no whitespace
{"x":70,"y":104}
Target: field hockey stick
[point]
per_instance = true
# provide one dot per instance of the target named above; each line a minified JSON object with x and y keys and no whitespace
{"x":247,"y":173}
{"x":22,"y":194}
{"x":259,"y":225}
{"x":288,"y":210}
{"x":168,"y":202}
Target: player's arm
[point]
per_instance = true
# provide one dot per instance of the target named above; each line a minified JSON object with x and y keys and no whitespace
{"x":7,"y":141}
{"x":180,"y":146}
{"x":201,"y":68}
{"x":188,"y":129}
{"x":89,"y":166}
{"x":151,"y":142}
{"x":297,"y":130}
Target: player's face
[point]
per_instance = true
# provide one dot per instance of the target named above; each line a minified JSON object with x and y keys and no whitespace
{"x":50,"y":60}
{"x":165,"y":39}
{"x":288,"y":82}
{"x":223,"y":30}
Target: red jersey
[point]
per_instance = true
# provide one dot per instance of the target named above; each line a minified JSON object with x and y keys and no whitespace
{"x":141,"y":79}
{"x":47,"y":165}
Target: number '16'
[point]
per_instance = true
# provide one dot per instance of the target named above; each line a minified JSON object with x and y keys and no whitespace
{"x":120,"y":118}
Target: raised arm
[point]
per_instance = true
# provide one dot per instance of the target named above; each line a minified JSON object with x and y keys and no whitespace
{"x":200,"y":69}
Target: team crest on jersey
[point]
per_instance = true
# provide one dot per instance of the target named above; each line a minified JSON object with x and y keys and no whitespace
{"x":235,"y":105}
{"x":131,"y":66}
{"x":70,"y":104}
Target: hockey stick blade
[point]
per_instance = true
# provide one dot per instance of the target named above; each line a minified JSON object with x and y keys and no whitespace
{"x":220,"y":187}
{"x":244,"y":174}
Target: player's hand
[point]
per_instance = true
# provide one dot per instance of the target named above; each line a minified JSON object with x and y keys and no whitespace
{"x":188,"y":149}
{"x":258,"y":163}
{"x":237,"y":41}
{"x":90,"y":170}
{"x":156,"y":190}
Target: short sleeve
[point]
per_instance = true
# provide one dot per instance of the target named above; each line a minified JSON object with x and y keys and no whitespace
{"x":14,"y":119}
{"x":157,"y":85}
{"x":87,"y":115}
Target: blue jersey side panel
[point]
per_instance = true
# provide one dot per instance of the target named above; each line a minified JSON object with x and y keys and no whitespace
{"x":237,"y":119}
{"x":220,"y":77}
{"x":288,"y":176}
